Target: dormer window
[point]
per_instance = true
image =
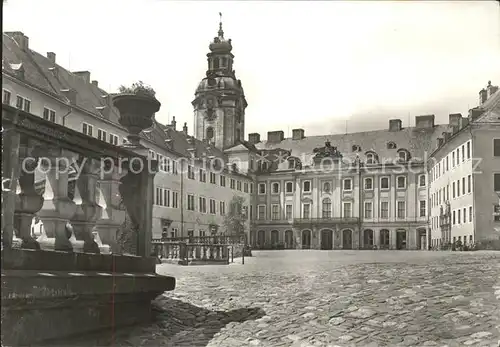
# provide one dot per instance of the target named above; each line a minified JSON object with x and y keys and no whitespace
{"x":356,"y":148}
{"x":371,"y":158}
{"x":264,"y":166}
{"x":403,"y":155}
{"x":291,"y":164}
{"x":391,"y":145}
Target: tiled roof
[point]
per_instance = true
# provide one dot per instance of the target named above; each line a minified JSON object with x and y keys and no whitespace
{"x":38,"y":73}
{"x":492,"y":109}
{"x":416,"y":140}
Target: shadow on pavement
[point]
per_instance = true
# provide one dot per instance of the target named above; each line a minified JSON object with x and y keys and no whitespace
{"x":175,"y":323}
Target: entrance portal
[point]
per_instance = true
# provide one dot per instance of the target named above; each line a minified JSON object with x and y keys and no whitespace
{"x":289,"y":239}
{"x":368,"y":239}
{"x":326,"y":239}
{"x":306,"y":239}
{"x":401,"y":239}
{"x":347,"y":239}
{"x":261,"y":238}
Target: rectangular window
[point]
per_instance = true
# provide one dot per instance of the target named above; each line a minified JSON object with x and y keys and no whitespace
{"x":232,"y":183}
{"x":306,"y":211}
{"x":496,"y":147}
{"x":347,"y":210}
{"x":222,"y":181}
{"x":49,"y":114}
{"x":470,"y":214}
{"x":463,"y":185}
{"x":102,"y":135}
{"x":401,"y":210}
{"x":458,"y":188}
{"x":368,"y":210}
{"x":261,"y":211}
{"x":384,"y":209}
{"x":203,"y":175}
{"x":222,"y":208}
{"x":401,"y":181}
{"x":87,"y":129}
{"x":347,"y":184}
{"x":175,"y":199}
{"x":384,"y":183}
{"x":289,"y":187}
{"x":463,"y":153}
{"x":465,"y":215}
{"x":453,"y":191}
{"x":190,"y":202}
{"x":288,"y":212}
{"x":6,"y":97}
{"x":213,"y":178}
{"x":23,"y":103}
{"x":447,"y":163}
{"x":423,"y":208}
{"x":458,"y":216}
{"x":275,"y":212}
{"x":245,"y":187}
{"x":166,"y":197}
{"x":238,"y":185}
{"x":190,"y":173}
{"x":275,"y":188}
{"x":262,"y":188}
{"x":368,"y":183}
{"x":496,"y":182}
{"x":469,"y":183}
{"x":454,"y":217}
{"x":212,"y":206}
{"x":306,"y":186}
{"x":453,"y":159}
{"x":113,"y":139}
{"x":203,"y":205}
{"x":251,"y":188}
{"x":421,"y":180}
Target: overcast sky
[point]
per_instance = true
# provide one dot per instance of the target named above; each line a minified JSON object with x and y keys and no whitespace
{"x":302,"y":64}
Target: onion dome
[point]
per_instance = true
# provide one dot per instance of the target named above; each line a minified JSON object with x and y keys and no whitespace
{"x":220,"y":44}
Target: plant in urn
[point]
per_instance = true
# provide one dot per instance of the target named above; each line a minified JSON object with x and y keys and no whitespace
{"x":137,"y":105}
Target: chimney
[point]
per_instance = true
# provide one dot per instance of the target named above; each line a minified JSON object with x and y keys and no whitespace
{"x":483,"y":96}
{"x":254,"y":138}
{"x":440,"y":142}
{"x":465,"y":122}
{"x":275,"y":136}
{"x":446,"y":135}
{"x":83,"y":74}
{"x":491,"y":89}
{"x":21,"y":39}
{"x":70,"y":94}
{"x":395,"y":125}
{"x":95,"y":83}
{"x":52,"y":57}
{"x":474,"y":113}
{"x":424,"y":122}
{"x":455,"y":119}
{"x":173,"y":123}
{"x":185,"y":128}
{"x":456,"y":129}
{"x":297,"y":134}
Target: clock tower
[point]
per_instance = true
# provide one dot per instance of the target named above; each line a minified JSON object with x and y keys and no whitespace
{"x":219,"y":103}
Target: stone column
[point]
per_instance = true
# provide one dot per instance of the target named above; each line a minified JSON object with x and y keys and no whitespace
{"x":411,"y":240}
{"x":355,"y":237}
{"x":376,"y":238}
{"x":87,"y":209}
{"x":57,"y":208}
{"x":392,"y":239}
{"x":297,"y":233}
{"x":337,"y":239}
{"x":112,"y":212}
{"x":28,"y":201}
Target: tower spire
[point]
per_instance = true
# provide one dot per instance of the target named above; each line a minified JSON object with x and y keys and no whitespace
{"x":221,"y":32}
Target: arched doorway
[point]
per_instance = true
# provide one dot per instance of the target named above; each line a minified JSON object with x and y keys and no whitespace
{"x":275,"y":238}
{"x":306,"y":239}
{"x":347,"y":239}
{"x":368,"y":239}
{"x":326,"y":239}
{"x":384,"y":239}
{"x":401,"y":239}
{"x":289,"y":239}
{"x":261,"y":238}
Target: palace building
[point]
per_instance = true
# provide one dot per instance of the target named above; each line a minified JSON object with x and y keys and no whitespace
{"x":382,"y":189}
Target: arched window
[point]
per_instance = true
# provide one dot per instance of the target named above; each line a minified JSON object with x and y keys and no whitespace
{"x":403,"y":155}
{"x":327,"y":208}
{"x":210,"y":133}
{"x":216,"y":63}
{"x":223,"y":62}
{"x":371,"y":158}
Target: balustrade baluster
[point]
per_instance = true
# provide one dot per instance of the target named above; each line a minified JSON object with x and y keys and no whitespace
{"x":113,"y":212}
{"x":87,"y":210}
{"x":57,"y":208}
{"x":28,"y":201}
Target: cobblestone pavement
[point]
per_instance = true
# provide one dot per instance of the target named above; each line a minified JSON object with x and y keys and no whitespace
{"x":338,"y":298}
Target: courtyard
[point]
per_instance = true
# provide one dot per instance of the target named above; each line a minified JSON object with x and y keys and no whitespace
{"x":330,"y":298}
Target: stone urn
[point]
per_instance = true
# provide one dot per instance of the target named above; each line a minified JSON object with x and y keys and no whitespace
{"x":136,"y":113}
